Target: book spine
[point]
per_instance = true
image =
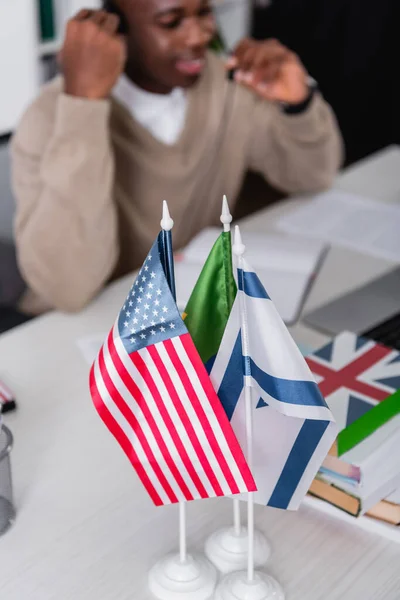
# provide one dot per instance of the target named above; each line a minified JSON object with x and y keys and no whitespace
{"x":365,"y":426}
{"x":47,"y":24}
{"x":333,"y":495}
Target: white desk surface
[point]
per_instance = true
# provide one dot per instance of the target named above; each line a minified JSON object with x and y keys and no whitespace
{"x":85,"y":528}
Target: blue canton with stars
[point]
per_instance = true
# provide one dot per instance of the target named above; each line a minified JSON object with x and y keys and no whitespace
{"x":150,"y":314}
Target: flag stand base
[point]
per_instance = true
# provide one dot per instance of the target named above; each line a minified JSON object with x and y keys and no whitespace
{"x":236,"y":586}
{"x":228,"y":550}
{"x":194,"y":579}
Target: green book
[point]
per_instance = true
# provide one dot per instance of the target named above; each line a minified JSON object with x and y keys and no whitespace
{"x":47,"y":23}
{"x":368,"y":423}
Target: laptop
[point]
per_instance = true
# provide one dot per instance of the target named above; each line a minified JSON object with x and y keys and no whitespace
{"x":372,"y":311}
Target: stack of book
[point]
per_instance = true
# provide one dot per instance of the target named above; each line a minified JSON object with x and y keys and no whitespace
{"x":360,"y":381}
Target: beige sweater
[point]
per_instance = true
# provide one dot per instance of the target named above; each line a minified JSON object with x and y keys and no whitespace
{"x":89,"y":180}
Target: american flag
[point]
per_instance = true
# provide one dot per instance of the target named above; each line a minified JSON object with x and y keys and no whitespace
{"x":354,"y":374}
{"x":7,"y":401}
{"x":153,"y":393}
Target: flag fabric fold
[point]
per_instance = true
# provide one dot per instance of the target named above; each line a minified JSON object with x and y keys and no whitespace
{"x":210,"y":304}
{"x":293,"y":428}
{"x":152,"y":391}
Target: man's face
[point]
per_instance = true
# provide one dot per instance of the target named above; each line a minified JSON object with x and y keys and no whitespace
{"x":167,"y":41}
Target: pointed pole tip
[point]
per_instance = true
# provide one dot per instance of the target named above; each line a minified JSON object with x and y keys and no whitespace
{"x":166,"y":221}
{"x":238,"y":246}
{"x":226,"y":217}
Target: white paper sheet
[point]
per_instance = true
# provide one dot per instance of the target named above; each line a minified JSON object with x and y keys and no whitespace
{"x":285,"y":266}
{"x":90,"y":346}
{"x":365,"y":225}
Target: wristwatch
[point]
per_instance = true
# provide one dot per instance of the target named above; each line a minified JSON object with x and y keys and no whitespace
{"x":297,"y":109}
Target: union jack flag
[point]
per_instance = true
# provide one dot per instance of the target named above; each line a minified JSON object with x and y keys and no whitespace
{"x":354,"y":374}
{"x":153,"y":393}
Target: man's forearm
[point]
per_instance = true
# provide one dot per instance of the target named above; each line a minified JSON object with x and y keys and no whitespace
{"x":66,"y":224}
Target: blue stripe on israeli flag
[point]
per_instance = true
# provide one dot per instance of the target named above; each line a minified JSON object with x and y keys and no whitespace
{"x":232,"y":383}
{"x":297,"y":462}
{"x":249,"y":283}
{"x":305,"y":393}
{"x":293,"y":427}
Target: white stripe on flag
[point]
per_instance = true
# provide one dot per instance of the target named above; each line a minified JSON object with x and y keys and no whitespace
{"x":138,"y":413}
{"x":127,"y":429}
{"x":205,"y":403}
{"x":267,"y":333}
{"x":273,"y":435}
{"x":175,"y":417}
{"x":344,"y":350}
{"x":194,"y":418}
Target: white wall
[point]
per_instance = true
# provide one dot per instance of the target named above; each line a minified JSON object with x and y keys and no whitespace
{"x":19,"y":73}
{"x":65,"y":9}
{"x":76,"y":5}
{"x":234,"y":18}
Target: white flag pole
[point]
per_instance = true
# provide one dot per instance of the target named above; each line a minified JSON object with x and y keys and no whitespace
{"x":226,"y":217}
{"x":237,"y":522}
{"x":249,"y":584}
{"x":238,"y":250}
{"x":226,"y":220}
{"x":179,"y":575}
{"x":167,"y":225}
{"x":182,"y":532}
{"x":227,"y":548}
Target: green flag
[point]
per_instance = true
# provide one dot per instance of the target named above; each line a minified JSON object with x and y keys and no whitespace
{"x":211,"y":302}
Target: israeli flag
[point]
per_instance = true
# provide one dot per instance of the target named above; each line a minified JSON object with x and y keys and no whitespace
{"x":293,"y":428}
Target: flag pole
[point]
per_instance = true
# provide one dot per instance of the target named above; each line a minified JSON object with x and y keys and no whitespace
{"x":247,"y":584}
{"x":167,"y":225}
{"x":238,"y":250}
{"x":227,"y":547}
{"x":226,"y":220}
{"x":226,"y":217}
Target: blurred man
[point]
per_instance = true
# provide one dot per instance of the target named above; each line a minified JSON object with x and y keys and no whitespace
{"x":149,"y":115}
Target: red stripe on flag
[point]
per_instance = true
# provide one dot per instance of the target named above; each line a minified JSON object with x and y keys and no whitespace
{"x":347,"y":377}
{"x":133,"y":421}
{"x":220,"y":414}
{"x":121,"y":438}
{"x":185,"y":420}
{"x":136,"y":428}
{"x":201,"y":415}
{"x":367,"y":390}
{"x":319,"y":369}
{"x":141,"y":366}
